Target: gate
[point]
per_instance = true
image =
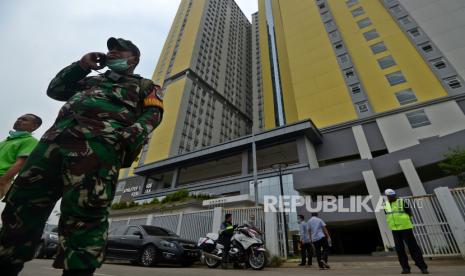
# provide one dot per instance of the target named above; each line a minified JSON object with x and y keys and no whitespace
{"x":431,"y":228}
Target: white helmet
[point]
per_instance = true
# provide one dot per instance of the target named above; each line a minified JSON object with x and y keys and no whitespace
{"x":390,"y":192}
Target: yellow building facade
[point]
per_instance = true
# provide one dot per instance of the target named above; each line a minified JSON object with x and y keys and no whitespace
{"x":312,"y":71}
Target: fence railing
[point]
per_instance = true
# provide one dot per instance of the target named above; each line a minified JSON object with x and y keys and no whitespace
{"x":431,"y":228}
{"x":459,"y":197}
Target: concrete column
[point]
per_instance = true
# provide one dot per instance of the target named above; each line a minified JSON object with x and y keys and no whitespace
{"x":178,"y":227}
{"x":362,"y":142}
{"x":245,"y":162}
{"x":414,"y":182}
{"x":271,"y":234}
{"x":217,"y":219}
{"x":373,"y":190}
{"x":149,"y":220}
{"x":174,"y":181}
{"x":306,"y":152}
{"x":453,"y":215}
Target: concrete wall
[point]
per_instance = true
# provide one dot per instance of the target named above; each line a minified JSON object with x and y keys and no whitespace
{"x":337,"y":144}
{"x":445,"y":118}
{"x":444,"y":22}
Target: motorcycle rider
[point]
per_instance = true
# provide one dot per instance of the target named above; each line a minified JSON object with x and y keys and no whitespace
{"x":226,"y":233}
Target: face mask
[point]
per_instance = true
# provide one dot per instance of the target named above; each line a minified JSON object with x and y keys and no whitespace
{"x":18,"y":133}
{"x":118,"y":65}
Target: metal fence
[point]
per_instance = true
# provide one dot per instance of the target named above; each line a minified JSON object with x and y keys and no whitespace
{"x":169,"y":222}
{"x":459,"y":197}
{"x":137,"y":221}
{"x":196,"y":224}
{"x":244,"y":215}
{"x":431,"y":229}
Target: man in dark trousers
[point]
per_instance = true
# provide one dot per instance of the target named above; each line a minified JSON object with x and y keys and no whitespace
{"x":398,"y":217}
{"x":226,"y":233}
{"x":320,"y":238}
{"x":306,"y":247}
{"x":102,"y":126}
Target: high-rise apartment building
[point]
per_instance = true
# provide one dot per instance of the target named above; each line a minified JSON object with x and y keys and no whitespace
{"x":380,"y":80}
{"x":335,"y":61}
{"x":205,"y":69}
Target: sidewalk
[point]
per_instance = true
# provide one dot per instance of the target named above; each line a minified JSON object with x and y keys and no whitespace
{"x":360,"y":261}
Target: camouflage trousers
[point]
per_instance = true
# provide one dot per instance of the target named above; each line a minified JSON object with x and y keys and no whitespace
{"x":84,"y":174}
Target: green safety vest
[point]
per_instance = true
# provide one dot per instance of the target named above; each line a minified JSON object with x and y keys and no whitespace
{"x":397,"y":218}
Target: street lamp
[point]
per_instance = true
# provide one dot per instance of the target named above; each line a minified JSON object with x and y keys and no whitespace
{"x":279,"y":167}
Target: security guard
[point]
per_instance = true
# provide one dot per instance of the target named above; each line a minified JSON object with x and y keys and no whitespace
{"x":398,"y":216}
{"x":102,"y":127}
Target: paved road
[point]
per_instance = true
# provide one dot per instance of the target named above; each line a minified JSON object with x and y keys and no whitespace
{"x":44,"y":268}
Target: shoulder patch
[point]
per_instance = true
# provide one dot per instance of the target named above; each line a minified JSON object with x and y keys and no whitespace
{"x":153,"y":99}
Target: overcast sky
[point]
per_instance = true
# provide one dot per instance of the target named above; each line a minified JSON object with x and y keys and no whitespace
{"x":38,"y":38}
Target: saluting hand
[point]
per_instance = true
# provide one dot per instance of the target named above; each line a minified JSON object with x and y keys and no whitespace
{"x":93,"y":60}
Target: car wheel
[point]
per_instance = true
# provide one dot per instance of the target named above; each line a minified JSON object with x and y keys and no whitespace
{"x":39,"y":251}
{"x":148,"y":256}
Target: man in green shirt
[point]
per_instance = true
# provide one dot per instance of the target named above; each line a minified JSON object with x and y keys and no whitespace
{"x":16,"y":148}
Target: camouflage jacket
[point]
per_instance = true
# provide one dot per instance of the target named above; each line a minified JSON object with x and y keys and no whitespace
{"x":117,"y":109}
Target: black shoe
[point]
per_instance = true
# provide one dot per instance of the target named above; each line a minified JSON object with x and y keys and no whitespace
{"x":405,"y":272}
{"x":309,"y":264}
{"x":301,"y":264}
{"x":325,"y":265}
{"x":424,"y":271}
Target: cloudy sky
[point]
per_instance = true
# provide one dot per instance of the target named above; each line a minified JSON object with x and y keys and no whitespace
{"x":38,"y":38}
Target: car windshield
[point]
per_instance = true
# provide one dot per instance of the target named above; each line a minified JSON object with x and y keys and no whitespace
{"x":157,"y":231}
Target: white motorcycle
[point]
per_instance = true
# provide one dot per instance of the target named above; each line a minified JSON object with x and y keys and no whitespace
{"x":246,"y":247}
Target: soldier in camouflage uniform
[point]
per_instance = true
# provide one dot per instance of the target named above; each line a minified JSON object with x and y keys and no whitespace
{"x":101,"y":128}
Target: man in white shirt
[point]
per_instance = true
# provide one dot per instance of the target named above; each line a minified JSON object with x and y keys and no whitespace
{"x":320,"y":238}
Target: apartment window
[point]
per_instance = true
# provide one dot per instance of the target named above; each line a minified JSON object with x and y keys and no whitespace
{"x":344,"y":58}
{"x":405,"y":20}
{"x":439,"y":63}
{"x":395,"y":78}
{"x":427,"y":48}
{"x":396,"y":9}
{"x":414,"y":32}
{"x":355,"y":89}
{"x":364,"y":23}
{"x":358,"y":11}
{"x":362,"y":107}
{"x":349,"y":74}
{"x":370,"y":35}
{"x":453,"y":82}
{"x":334,"y":34}
{"x":406,"y":96}
{"x":329,"y":24}
{"x":351,"y":3}
{"x":378,"y":48}
{"x":386,"y":62}
{"x":418,"y":118}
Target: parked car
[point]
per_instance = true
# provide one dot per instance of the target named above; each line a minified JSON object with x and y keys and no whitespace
{"x":48,"y":245}
{"x":148,"y":245}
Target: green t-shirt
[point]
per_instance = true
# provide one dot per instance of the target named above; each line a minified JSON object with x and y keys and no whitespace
{"x":12,"y":148}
